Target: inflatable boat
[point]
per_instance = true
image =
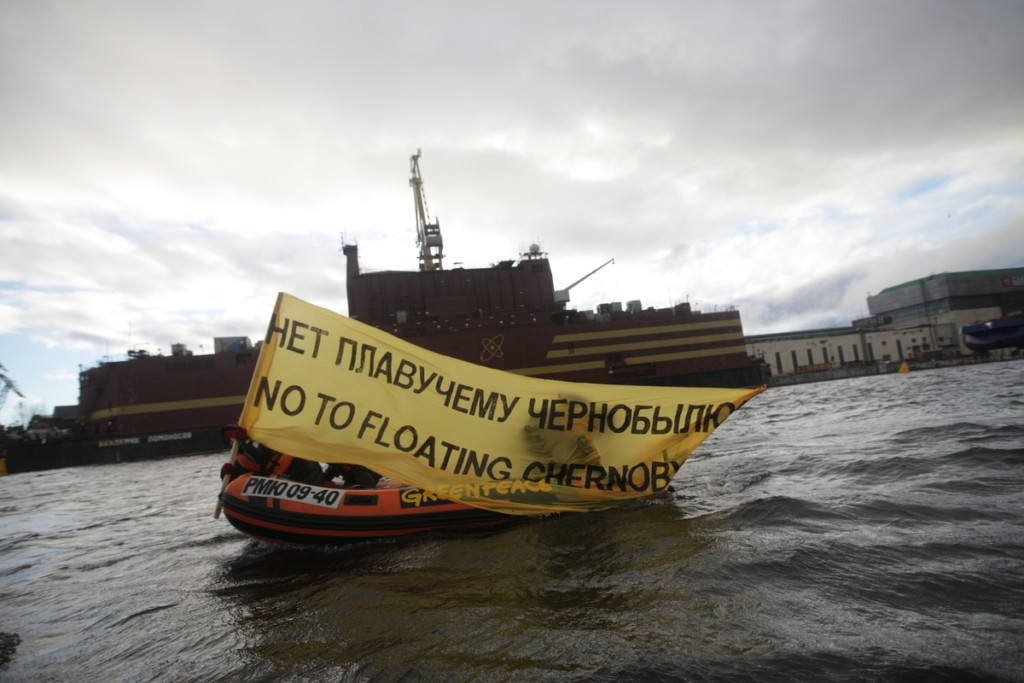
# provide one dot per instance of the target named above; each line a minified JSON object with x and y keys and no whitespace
{"x":284,"y":511}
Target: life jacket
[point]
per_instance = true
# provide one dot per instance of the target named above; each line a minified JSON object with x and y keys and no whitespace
{"x":254,"y":457}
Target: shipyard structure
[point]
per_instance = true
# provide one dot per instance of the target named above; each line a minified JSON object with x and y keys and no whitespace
{"x":918,"y":321}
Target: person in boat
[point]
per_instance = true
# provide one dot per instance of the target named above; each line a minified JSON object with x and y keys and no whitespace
{"x":352,"y":474}
{"x":255,"y":457}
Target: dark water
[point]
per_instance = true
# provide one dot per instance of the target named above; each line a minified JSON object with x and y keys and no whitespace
{"x":859,"y":530}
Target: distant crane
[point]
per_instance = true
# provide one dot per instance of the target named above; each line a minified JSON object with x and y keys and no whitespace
{"x":428,"y":235}
{"x":562,"y":295}
{"x":7,"y":385}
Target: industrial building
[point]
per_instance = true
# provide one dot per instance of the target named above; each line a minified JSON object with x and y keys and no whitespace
{"x":916,"y":320}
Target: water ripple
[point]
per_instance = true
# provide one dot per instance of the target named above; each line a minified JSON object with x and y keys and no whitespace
{"x":867,"y":529}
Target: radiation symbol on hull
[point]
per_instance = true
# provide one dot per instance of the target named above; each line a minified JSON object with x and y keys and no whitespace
{"x":492,"y":347}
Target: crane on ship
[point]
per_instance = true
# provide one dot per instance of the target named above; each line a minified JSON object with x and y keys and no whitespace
{"x":7,"y":385}
{"x":428,"y":235}
{"x":562,"y":295}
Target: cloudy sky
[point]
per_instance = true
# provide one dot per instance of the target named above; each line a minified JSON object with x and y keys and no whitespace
{"x":167,"y":167}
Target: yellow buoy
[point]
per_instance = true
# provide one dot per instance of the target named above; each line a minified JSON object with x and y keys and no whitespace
{"x":904,"y":367}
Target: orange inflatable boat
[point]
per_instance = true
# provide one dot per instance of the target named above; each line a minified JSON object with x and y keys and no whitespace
{"x":283,"y":511}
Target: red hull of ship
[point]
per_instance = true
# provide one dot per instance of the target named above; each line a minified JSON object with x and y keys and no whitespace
{"x":164,"y":393}
{"x":509,"y":317}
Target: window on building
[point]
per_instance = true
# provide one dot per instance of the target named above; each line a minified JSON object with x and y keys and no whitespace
{"x":792,"y":355}
{"x":919,"y":311}
{"x":778,"y":361}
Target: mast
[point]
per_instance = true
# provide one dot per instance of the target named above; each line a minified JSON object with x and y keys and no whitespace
{"x":428,"y":235}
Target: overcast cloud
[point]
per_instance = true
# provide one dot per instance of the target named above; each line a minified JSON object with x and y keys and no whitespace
{"x":168,"y":167}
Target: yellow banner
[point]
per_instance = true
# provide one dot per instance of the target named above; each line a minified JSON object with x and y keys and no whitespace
{"x":332,"y":389}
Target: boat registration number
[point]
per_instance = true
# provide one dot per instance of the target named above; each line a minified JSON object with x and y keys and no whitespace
{"x":283,"y":489}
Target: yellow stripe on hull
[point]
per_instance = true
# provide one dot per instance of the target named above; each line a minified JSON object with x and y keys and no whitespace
{"x":638,"y":331}
{"x":167,"y":406}
{"x":632,"y":360}
{"x":636,"y":346}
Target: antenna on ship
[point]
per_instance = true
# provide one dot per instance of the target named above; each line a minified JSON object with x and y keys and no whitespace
{"x":428,"y":235}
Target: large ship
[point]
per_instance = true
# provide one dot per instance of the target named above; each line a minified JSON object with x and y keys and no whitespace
{"x":144,"y":407}
{"x":148,"y":394}
{"x":509,"y":316}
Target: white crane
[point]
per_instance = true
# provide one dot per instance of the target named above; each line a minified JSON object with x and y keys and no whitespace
{"x":428,"y":235}
{"x":562,"y":295}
